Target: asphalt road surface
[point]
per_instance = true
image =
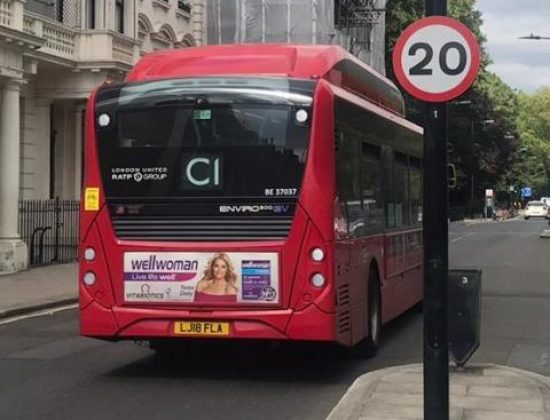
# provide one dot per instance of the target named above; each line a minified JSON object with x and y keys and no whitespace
{"x":48,"y":372}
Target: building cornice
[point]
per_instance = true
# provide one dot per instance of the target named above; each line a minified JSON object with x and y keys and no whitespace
{"x":80,"y":65}
{"x":162,"y":4}
{"x":11,"y":72}
{"x":20,"y":40}
{"x":50,"y":58}
{"x":103,"y":65}
{"x":183,"y":14}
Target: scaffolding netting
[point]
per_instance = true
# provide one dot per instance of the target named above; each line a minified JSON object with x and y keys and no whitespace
{"x":356,"y":25}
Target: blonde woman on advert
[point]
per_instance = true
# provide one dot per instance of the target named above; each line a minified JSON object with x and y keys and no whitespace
{"x":219,"y":281}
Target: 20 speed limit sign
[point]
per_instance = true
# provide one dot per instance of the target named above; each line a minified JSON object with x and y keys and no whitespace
{"x":436,"y":59}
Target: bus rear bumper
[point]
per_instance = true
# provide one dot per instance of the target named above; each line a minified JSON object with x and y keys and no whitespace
{"x":97,"y":321}
{"x":139,"y":324}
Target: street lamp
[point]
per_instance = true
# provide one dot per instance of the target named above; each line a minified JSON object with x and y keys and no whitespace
{"x":532,"y":36}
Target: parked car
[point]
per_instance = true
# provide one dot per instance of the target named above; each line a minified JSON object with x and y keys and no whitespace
{"x":536,"y":209}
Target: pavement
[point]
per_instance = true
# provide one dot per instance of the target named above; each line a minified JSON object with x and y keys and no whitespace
{"x":477,"y":392}
{"x":38,"y":288}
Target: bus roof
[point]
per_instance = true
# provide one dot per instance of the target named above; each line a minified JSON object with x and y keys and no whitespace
{"x":330,"y":62}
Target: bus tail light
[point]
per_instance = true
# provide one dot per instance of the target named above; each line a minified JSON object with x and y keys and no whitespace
{"x":317,"y":254}
{"x":89,"y":278}
{"x":89,"y":254}
{"x":94,"y":272}
{"x":318,"y":280}
{"x":314,"y":274}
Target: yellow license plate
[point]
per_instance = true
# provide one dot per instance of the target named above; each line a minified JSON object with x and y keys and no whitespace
{"x":201,"y":328}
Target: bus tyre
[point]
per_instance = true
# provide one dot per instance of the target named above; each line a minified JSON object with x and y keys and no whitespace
{"x":369,"y":346}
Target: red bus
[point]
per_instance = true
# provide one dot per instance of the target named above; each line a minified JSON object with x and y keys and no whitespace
{"x":250,"y":192}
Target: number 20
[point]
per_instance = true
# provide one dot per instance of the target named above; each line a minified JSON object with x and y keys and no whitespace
{"x":420,"y":68}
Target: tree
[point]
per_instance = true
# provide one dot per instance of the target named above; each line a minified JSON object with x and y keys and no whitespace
{"x":483,"y":153}
{"x":533,"y":163}
{"x":399,"y":15}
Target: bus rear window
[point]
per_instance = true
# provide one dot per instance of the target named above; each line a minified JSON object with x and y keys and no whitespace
{"x":202,"y":145}
{"x":217,"y":126}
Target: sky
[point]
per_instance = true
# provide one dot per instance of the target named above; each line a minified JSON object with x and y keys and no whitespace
{"x":522,"y":64}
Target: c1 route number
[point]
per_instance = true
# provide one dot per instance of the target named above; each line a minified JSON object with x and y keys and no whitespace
{"x":422,"y":69}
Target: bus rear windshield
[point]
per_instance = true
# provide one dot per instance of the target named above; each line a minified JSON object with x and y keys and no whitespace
{"x":203,"y":138}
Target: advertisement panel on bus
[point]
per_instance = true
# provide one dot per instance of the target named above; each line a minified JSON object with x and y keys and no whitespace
{"x":183,"y":277}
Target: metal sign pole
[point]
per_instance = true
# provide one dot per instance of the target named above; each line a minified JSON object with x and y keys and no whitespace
{"x":423,"y":67}
{"x":436,"y":347}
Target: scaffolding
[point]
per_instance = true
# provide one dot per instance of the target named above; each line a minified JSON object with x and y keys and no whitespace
{"x":356,"y":13}
{"x":356,"y":25}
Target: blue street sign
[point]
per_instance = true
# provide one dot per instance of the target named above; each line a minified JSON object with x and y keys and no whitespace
{"x":526,"y":192}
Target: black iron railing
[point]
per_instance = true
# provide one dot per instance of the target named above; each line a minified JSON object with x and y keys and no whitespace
{"x":50,"y":230}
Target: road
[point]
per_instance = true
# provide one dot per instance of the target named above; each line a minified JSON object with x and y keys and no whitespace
{"x":516,"y":290}
{"x":48,"y":372}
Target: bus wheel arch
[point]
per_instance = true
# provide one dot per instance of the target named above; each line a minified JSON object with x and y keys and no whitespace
{"x":368,"y":346}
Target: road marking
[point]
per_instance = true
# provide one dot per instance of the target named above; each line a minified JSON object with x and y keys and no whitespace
{"x":42,"y":312}
{"x":465,"y":235}
{"x":462,"y":237}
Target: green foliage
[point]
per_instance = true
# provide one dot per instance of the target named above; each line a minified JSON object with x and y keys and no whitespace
{"x":533,"y":158}
{"x":482,"y":123}
{"x":399,"y":15}
{"x":464,"y":11}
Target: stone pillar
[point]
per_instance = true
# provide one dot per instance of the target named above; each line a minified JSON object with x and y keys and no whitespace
{"x":83,"y":15}
{"x":109,"y":14}
{"x":43,"y":138}
{"x":130,"y":19}
{"x":198,"y":21}
{"x":13,"y":251}
{"x":100,"y":16}
{"x":78,"y":138}
{"x":18,"y":8}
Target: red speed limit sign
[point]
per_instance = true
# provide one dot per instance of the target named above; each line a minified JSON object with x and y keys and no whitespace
{"x":436,"y":59}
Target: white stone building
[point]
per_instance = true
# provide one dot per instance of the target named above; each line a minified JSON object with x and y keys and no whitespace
{"x":52,"y":54}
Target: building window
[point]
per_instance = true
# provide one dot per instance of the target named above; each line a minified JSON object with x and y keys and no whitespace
{"x":144,"y":27}
{"x":90,"y":14}
{"x":119,"y":16}
{"x":188,"y":41}
{"x":59,"y":10}
{"x":184,"y":5}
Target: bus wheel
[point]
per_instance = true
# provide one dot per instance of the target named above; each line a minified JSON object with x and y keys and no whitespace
{"x":375,"y":314}
{"x":369,"y":346}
